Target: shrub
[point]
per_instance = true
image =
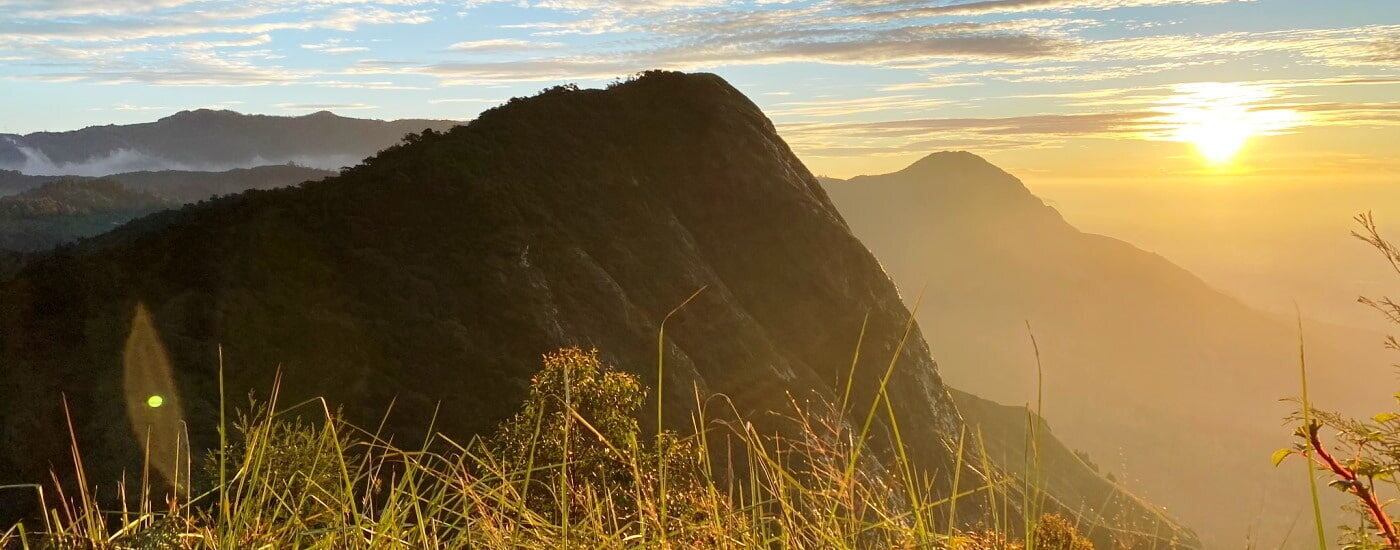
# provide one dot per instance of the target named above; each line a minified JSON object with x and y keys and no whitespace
{"x":1372,"y":447}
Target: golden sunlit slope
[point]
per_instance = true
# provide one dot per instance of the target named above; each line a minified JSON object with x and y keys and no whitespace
{"x":1168,"y":383}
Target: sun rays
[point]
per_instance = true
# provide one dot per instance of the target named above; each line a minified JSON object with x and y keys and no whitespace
{"x":1220,"y":118}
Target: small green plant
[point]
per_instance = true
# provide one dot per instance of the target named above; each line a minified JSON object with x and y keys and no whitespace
{"x":1372,"y":447}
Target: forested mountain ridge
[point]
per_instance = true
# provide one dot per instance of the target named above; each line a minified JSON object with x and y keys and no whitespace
{"x":206,"y":140}
{"x":51,"y":210}
{"x":435,"y":274}
{"x":65,"y":210}
{"x":187,"y":186}
{"x":182,"y":185}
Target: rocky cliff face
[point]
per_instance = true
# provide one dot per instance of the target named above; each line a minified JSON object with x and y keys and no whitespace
{"x":436,"y":273}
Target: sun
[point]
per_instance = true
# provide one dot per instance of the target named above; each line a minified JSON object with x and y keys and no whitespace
{"x":1218,"y":141}
{"x":1219,"y":118}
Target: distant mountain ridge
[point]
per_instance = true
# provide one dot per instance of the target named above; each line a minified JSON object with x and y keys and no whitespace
{"x":207,"y":140}
{"x":183,"y":185}
{"x":1172,"y":384}
{"x":434,"y":275}
{"x":64,"y":210}
{"x":48,"y":211}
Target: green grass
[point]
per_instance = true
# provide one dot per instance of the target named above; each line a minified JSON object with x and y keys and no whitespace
{"x":571,"y":470}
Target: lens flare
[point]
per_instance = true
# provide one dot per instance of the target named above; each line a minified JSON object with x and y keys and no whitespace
{"x":153,"y":404}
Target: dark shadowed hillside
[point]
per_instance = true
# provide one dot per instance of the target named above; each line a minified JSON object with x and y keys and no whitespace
{"x":1170,"y":384}
{"x":434,"y":275}
{"x":13,"y":181}
{"x":183,"y":186}
{"x":53,"y":210}
{"x":63,"y":211}
{"x":206,"y":140}
{"x":11,"y":262}
{"x":186,"y":186}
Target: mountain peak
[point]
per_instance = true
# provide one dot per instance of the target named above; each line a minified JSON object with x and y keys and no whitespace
{"x":955,"y":184}
{"x":201,"y":114}
{"x":944,"y":162}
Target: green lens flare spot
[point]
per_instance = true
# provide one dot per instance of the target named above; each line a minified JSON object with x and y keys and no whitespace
{"x":155,"y":401}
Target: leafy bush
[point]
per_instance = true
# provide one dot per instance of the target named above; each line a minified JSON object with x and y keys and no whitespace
{"x":1372,"y":447}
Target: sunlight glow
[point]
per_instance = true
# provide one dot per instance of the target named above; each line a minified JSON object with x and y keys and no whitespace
{"x":1220,"y":117}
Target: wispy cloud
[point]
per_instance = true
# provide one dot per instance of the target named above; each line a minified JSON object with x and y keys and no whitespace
{"x":334,"y":46}
{"x":848,"y":77}
{"x":497,"y":45}
{"x":905,"y":9}
{"x":848,"y":107}
{"x":129,"y":107}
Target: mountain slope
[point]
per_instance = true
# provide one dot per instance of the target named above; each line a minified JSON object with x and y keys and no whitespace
{"x":53,"y":210}
{"x":182,"y":185}
{"x":1145,"y":365}
{"x":13,"y":181}
{"x":62,"y":211}
{"x":186,"y":186}
{"x":206,"y":140}
{"x":436,"y":273}
{"x":1072,"y":477}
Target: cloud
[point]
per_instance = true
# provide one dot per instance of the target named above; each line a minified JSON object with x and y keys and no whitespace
{"x":1369,"y":45}
{"x":196,"y":23}
{"x":334,"y":46}
{"x":1158,"y":113}
{"x":497,"y":45}
{"x":1095,"y":73}
{"x":47,"y":9}
{"x":55,"y":9}
{"x":980,"y":133}
{"x":986,"y":7}
{"x":847,"y":107}
{"x":129,"y":107}
{"x":196,"y":68}
{"x":374,"y":85}
{"x":178,"y":42}
{"x":908,"y":47}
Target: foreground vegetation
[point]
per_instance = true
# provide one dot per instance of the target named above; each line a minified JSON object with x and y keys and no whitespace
{"x":572,"y":469}
{"x":1359,"y":457}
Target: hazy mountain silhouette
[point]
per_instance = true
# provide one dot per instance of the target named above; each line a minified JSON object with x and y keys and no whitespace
{"x":437,"y":272}
{"x":206,"y":140}
{"x":1172,"y":384}
{"x":1071,"y":476}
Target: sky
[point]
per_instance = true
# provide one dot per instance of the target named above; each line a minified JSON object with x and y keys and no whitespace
{"x":1148,"y":90}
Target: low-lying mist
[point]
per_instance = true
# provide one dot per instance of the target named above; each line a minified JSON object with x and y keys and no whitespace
{"x":118,"y":161}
